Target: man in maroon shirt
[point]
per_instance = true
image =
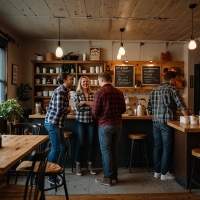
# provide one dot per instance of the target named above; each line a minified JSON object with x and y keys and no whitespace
{"x":108,"y":107}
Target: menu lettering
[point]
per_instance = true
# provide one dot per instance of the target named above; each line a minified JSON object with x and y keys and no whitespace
{"x":150,"y":75}
{"x":124,"y":76}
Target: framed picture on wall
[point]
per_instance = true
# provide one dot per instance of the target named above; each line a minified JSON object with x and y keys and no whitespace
{"x":14,"y":74}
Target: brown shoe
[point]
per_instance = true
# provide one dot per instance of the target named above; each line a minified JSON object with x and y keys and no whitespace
{"x":91,"y":169}
{"x":104,"y":181}
{"x":78,"y":170}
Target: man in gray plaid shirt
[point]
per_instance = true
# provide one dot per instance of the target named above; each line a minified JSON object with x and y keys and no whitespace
{"x":162,"y":105}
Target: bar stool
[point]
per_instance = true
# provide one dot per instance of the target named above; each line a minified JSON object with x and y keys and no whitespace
{"x":196,"y":154}
{"x":67,"y":136}
{"x":138,"y":137}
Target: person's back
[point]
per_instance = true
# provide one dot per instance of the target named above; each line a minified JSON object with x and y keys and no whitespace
{"x":109,"y":105}
{"x":111,"y":100}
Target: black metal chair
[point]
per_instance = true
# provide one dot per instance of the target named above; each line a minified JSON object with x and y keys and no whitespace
{"x":24,"y":129}
{"x":52,"y":169}
{"x":36,"y":173}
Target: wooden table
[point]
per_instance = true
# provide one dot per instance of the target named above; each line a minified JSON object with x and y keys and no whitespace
{"x":15,"y":147}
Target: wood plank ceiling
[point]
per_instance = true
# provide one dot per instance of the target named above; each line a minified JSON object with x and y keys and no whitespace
{"x":163,"y":20}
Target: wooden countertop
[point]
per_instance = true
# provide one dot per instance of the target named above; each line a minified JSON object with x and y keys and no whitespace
{"x":124,"y":116}
{"x":184,"y":127}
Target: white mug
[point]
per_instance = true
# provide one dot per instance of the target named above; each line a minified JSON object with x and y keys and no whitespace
{"x":50,"y":93}
{"x":57,"y":70}
{"x":54,"y":81}
{"x":45,"y":93}
{"x":44,"y":80}
{"x":97,"y":69}
{"x":84,"y":56}
{"x":96,"y":82}
{"x":91,"y":69}
{"x":44,"y":70}
{"x":51,"y":71}
{"x":91,"y":82}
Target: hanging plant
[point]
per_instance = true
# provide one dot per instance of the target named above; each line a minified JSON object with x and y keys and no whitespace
{"x":166,"y":56}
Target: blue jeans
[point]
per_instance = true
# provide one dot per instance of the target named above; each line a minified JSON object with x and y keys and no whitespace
{"x":84,"y":131}
{"x":163,"y":139}
{"x":58,"y":143}
{"x":109,"y":137}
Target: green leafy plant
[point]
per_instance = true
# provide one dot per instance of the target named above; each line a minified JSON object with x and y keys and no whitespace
{"x":67,"y":67}
{"x":11,"y":109}
{"x":23,"y":92}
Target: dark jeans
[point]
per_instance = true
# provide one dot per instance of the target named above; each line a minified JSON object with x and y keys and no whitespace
{"x":163,"y":138}
{"x":84,"y":131}
{"x":109,"y":137}
{"x":58,"y":143}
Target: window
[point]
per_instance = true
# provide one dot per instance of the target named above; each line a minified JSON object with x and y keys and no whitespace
{"x":3,"y":81}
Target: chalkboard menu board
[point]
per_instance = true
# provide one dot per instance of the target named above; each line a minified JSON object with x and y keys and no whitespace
{"x":124,"y":76}
{"x":150,"y":75}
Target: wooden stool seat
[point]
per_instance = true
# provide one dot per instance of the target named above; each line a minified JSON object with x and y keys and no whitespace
{"x":196,"y":152}
{"x":137,"y":136}
{"x":67,"y":134}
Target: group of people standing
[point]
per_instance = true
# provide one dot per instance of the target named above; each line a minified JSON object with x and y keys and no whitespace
{"x":107,"y":106}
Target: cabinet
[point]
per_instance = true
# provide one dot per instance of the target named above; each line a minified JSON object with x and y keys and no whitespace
{"x":42,"y":71}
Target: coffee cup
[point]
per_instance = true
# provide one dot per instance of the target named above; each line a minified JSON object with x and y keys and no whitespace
{"x":45,"y":93}
{"x":57,"y":70}
{"x":44,"y":70}
{"x":54,"y":81}
{"x":51,"y":70}
{"x":84,"y":71}
{"x":96,"y":82}
{"x":91,"y":82}
{"x":50,"y":93}
{"x":44,"y":80}
{"x":91,"y":69}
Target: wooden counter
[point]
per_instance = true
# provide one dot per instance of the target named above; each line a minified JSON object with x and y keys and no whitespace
{"x":72,"y":116}
{"x":186,"y":128}
{"x":130,"y":124}
{"x":186,"y":138}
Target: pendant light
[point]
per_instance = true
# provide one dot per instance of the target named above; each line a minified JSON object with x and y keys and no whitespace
{"x":192,"y":45}
{"x":59,"y":51}
{"x":121,"y":49}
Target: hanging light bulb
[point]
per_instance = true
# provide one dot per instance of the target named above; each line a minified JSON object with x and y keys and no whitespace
{"x":118,"y":56}
{"x":59,"y":51}
{"x":192,"y":45}
{"x":121,"y":49}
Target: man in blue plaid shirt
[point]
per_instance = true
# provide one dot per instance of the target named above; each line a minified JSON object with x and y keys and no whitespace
{"x":55,"y":119}
{"x":162,"y":105}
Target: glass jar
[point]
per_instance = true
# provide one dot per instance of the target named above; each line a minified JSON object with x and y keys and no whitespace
{"x":38,"y":108}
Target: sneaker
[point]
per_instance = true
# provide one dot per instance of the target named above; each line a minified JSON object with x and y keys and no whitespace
{"x":91,"y":169}
{"x":78,"y":170}
{"x":157,"y":175}
{"x":115,"y":180}
{"x":52,"y":181}
{"x":104,"y":181}
{"x":167,"y":176}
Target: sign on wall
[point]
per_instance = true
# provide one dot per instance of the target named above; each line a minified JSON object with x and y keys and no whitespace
{"x":124,"y":76}
{"x":151,"y":75}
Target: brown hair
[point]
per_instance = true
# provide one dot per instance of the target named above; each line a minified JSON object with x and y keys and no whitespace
{"x":62,"y":76}
{"x":169,"y":75}
{"x":106,"y":76}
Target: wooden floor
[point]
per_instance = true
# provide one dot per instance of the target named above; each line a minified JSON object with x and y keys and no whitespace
{"x":157,"y":196}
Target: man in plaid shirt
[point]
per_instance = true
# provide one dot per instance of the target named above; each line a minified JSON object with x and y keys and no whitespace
{"x":55,"y":119}
{"x":108,"y":107}
{"x":162,"y":105}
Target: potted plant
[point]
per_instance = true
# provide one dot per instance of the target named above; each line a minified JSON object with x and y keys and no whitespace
{"x":23,"y":92}
{"x":11,"y":110}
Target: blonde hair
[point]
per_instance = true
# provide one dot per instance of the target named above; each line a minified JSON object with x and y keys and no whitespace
{"x":79,"y":88}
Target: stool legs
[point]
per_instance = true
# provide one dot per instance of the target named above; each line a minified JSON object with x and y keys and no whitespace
{"x":191,"y":179}
{"x":132,"y":143}
{"x":70,"y":151}
{"x":144,"y":155}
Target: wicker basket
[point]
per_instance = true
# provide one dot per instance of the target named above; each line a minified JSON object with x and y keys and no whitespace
{"x":49,"y":56}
